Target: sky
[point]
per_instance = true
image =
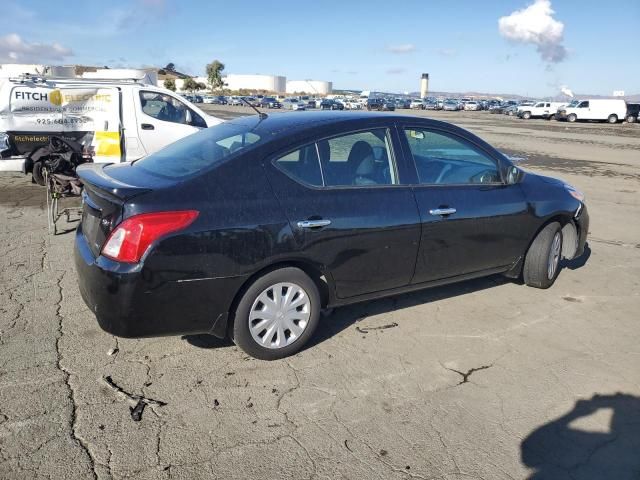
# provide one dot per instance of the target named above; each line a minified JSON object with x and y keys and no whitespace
{"x":525,"y":47}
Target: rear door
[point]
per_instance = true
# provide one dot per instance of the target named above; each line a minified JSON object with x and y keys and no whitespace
{"x":163,"y":119}
{"x":347,"y":209}
{"x":470,"y":218}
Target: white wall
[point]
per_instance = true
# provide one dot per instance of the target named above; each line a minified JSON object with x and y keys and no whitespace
{"x":272,"y":83}
{"x":313,"y":87}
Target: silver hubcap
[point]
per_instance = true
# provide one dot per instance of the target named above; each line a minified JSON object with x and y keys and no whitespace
{"x":279,"y":315}
{"x":554,"y":255}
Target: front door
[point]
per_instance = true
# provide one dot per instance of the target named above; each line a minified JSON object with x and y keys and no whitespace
{"x":348,"y":212}
{"x":468,"y":214}
{"x":163,"y":119}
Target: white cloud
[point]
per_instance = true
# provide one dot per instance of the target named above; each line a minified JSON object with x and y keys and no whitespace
{"x":404,"y":48}
{"x":535,"y":25}
{"x":13,"y":49}
{"x":447,"y":52}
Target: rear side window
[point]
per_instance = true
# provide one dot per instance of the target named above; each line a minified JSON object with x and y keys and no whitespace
{"x":303,"y":165}
{"x":199,"y":151}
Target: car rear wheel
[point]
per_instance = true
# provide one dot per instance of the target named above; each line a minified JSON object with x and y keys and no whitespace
{"x":572,"y":117}
{"x":612,"y":118}
{"x":526,"y":115}
{"x":542,"y":262}
{"x":277,"y":314}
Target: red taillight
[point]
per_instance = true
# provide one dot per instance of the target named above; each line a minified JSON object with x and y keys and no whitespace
{"x":130,"y":240}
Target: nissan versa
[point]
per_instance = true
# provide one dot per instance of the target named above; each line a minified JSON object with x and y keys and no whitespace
{"x":249,"y":228}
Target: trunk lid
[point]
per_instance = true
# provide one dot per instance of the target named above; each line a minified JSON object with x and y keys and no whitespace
{"x":103,"y":201}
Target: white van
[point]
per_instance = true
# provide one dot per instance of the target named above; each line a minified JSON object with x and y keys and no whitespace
{"x":611,"y":110}
{"x":545,"y":110}
{"x":113,"y":120}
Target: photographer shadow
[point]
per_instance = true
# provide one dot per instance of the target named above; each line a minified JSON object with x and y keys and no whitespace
{"x":561,"y":451}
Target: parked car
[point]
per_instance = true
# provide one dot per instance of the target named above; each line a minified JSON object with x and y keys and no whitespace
{"x":312,"y":103}
{"x":292,"y":104}
{"x":451,"y":105}
{"x":546,"y":110}
{"x":431,"y":105}
{"x":610,"y":110}
{"x":330,"y":104}
{"x":380,"y":104}
{"x":417,"y":104}
{"x":270,"y":102}
{"x":353,"y":105}
{"x":215,"y":99}
{"x":472,"y":105}
{"x":633,"y":111}
{"x":403,"y":103}
{"x":294,"y":225}
{"x":510,"y":110}
{"x":236,"y":101}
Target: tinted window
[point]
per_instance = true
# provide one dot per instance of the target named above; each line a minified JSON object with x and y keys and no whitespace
{"x":446,"y":160}
{"x":199,"y":151}
{"x":302,"y":165}
{"x":363,"y":158}
{"x":169,"y":109}
{"x":584,"y":105}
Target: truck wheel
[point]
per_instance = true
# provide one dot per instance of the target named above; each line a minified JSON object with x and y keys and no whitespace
{"x":572,"y":117}
{"x":551,"y":117}
{"x":277,"y":314}
{"x":542,"y":262}
{"x":526,"y":115}
{"x":631,"y":119}
{"x":38,"y":173}
{"x":613,"y":118}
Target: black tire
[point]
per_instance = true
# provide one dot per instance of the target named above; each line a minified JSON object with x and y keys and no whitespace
{"x":38,"y":173}
{"x":631,"y":119}
{"x":613,"y":118}
{"x":572,"y":117}
{"x":551,"y":117}
{"x":536,"y":272}
{"x":241,"y":333}
{"x":526,"y":115}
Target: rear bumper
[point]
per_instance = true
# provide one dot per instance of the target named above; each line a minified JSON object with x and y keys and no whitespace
{"x":131,"y":301}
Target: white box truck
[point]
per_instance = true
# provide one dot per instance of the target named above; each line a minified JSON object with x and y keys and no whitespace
{"x":112,"y":120}
{"x":610,"y":110}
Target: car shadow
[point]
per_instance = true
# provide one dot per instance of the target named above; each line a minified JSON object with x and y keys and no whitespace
{"x":559,"y":450}
{"x":580,"y":261}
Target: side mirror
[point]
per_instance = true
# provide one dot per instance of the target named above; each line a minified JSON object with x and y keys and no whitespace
{"x":188,"y":118}
{"x":513,"y":175}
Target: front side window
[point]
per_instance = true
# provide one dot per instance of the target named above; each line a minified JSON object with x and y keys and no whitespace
{"x":169,"y":109}
{"x":584,"y":105}
{"x":443,"y":159}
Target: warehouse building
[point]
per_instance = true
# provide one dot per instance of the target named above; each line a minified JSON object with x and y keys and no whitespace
{"x":314,"y":87}
{"x":270,"y":83}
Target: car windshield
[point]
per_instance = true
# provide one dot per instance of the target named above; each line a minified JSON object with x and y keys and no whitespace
{"x":201,"y":150}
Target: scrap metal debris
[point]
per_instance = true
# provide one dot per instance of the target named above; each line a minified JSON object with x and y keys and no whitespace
{"x":141,"y":401}
{"x":382,"y":327}
{"x":346,"y":445}
{"x":465,"y":375}
{"x":113,"y":351}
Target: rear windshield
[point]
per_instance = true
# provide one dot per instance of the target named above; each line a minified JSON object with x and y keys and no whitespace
{"x":199,"y":151}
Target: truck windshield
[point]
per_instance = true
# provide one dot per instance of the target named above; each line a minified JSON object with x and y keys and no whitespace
{"x":199,"y":151}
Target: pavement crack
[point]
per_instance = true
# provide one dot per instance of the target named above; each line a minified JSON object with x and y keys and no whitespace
{"x":465,"y":375}
{"x":66,"y":376}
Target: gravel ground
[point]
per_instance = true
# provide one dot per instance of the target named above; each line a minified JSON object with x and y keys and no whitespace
{"x":487,"y":379}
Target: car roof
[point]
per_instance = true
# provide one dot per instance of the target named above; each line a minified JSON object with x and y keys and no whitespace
{"x":298,"y":122}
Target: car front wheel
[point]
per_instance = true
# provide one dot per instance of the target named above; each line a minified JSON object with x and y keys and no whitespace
{"x":277,"y":314}
{"x":542,"y":262}
{"x":572,"y":117}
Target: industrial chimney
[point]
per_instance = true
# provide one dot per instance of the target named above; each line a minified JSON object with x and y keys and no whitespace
{"x":424,"y":85}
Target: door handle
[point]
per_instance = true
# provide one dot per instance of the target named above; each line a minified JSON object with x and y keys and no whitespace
{"x":442,"y":211}
{"x":313,"y":223}
{"x":147,"y":126}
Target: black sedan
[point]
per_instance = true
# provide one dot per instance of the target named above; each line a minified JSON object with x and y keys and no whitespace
{"x":330,"y":104}
{"x":250,"y":228}
{"x":270,"y":102}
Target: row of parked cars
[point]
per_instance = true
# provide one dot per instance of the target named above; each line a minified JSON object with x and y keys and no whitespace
{"x":594,"y":109}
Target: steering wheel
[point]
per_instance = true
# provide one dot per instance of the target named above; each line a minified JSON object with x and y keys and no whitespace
{"x":486,"y":176}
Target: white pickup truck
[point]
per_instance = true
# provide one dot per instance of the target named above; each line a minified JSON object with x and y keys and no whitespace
{"x":545,"y":110}
{"x":113,"y":120}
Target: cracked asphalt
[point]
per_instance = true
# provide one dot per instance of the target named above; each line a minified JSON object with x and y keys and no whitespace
{"x":486,"y":379}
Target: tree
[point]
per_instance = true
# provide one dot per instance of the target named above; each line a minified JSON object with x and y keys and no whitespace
{"x":189,"y":84}
{"x":170,"y":84}
{"x":200,"y":86}
{"x":214,"y":74}
{"x":170,"y":67}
